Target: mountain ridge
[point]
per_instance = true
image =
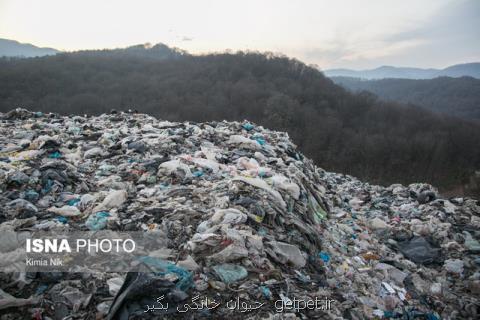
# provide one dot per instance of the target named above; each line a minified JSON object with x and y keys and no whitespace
{"x":471,"y":69}
{"x":13,"y":48}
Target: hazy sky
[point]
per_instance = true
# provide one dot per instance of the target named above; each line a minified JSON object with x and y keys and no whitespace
{"x":336,"y":33}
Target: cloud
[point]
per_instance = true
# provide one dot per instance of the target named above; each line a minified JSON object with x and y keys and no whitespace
{"x":340,"y":33}
{"x":352,"y":54}
{"x":450,"y":35}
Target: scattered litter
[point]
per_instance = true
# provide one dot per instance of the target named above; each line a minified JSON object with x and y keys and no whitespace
{"x":243,"y":213}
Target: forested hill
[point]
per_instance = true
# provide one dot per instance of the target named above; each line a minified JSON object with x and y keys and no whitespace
{"x":351,"y":133}
{"x":455,"y":96}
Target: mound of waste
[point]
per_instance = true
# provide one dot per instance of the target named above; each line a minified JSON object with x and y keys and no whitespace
{"x":252,"y":228}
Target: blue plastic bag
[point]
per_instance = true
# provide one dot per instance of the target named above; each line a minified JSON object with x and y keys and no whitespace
{"x":97,"y":221}
{"x":55,"y":155}
{"x":163,"y":267}
{"x":247,"y":126}
{"x":230,"y":273}
{"x":324,"y":256}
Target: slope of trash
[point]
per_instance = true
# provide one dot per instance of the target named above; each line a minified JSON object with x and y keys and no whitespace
{"x":246,"y":217}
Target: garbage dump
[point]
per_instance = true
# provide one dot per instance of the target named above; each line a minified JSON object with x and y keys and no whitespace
{"x":253,"y":229}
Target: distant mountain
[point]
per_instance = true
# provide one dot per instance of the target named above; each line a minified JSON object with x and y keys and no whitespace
{"x":12,"y":48}
{"x":454,"y":96}
{"x":461,"y":70}
{"x":458,"y":70}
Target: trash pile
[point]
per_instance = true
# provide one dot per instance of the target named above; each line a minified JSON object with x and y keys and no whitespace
{"x":245,"y":216}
